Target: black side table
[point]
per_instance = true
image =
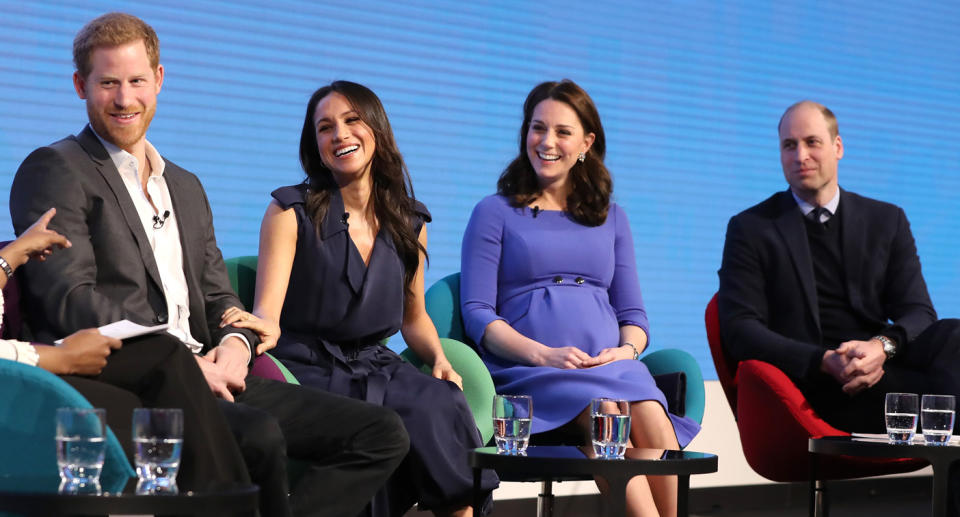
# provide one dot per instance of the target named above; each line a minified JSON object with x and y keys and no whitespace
{"x":939,"y":456}
{"x":241,"y":501}
{"x":552,"y":462}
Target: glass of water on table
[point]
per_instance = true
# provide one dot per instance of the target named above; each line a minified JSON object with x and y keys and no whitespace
{"x":511,"y":423}
{"x":81,"y":447}
{"x":610,"y":427}
{"x":936,"y":418}
{"x":901,"y":411}
{"x":157,"y":438}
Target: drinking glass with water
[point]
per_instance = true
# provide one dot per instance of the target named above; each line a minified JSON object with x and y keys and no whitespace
{"x":157,"y":438}
{"x":610,"y":427}
{"x":511,"y":423}
{"x":80,"y":449}
{"x":936,"y":418}
{"x":901,"y":411}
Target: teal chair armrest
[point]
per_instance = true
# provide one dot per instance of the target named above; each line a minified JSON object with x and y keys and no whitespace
{"x":674,"y":360}
{"x":243,"y":277}
{"x":477,"y":384}
{"x":28,"y":404}
{"x":442,"y":301}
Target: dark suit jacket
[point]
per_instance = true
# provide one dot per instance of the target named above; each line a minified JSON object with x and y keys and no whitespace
{"x":768,"y":298}
{"x":110,"y":273}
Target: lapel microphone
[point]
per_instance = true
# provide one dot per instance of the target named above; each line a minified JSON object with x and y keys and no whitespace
{"x":536,"y":211}
{"x":344,"y":217}
{"x":159,"y":220}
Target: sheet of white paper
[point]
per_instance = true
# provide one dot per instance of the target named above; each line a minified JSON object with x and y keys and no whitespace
{"x":124,"y":329}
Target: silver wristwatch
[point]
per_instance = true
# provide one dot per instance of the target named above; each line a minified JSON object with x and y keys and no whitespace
{"x":889,"y":347}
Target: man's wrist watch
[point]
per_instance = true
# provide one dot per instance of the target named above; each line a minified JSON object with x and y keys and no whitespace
{"x":889,"y":346}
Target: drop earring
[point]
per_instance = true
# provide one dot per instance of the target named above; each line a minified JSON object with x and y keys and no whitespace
{"x":581,"y":157}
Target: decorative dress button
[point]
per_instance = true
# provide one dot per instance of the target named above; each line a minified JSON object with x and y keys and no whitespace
{"x":558,"y":279}
{"x":579,"y":280}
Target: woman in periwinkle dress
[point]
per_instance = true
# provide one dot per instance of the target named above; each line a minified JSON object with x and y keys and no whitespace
{"x":341,"y":269}
{"x":549,"y":286}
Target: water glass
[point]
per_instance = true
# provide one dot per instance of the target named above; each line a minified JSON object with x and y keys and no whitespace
{"x":157,"y":439}
{"x":81,"y":446}
{"x":936,"y":418}
{"x":610,"y":427}
{"x":511,"y":423}
{"x":901,"y":411}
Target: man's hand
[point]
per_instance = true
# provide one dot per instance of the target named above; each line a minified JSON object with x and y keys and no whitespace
{"x":865,"y":365}
{"x":84,"y":352}
{"x":268,"y":330}
{"x":568,"y":357}
{"x":231,"y":357}
{"x":216,"y":378}
{"x":834,"y":364}
{"x":443,"y":370}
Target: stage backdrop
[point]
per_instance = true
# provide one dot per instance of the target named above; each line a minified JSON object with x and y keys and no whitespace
{"x":689,"y":92}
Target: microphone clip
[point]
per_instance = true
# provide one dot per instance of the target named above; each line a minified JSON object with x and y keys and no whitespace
{"x":536,"y":211}
{"x":159,"y":220}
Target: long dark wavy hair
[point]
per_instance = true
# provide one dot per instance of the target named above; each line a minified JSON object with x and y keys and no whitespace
{"x":590,"y":182}
{"x":393,"y":200}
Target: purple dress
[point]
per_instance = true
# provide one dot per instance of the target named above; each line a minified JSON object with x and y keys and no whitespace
{"x":336,"y":313}
{"x":562,"y":284}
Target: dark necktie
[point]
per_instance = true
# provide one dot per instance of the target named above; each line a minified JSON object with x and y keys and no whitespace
{"x":817,"y":215}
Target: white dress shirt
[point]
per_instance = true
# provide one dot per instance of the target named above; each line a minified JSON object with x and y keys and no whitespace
{"x":160,"y":224}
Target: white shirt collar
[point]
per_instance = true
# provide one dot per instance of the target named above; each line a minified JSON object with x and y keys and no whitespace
{"x":121,"y":158}
{"x":831,"y":205}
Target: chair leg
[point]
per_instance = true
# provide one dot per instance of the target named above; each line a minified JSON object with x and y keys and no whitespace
{"x":545,"y":499}
{"x":819,"y":502}
{"x":819,"y":505}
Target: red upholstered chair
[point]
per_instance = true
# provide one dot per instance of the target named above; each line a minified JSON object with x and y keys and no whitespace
{"x":776,"y":422}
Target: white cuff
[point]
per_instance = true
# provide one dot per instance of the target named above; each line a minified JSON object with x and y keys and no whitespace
{"x":242,"y":338}
{"x":19,"y":351}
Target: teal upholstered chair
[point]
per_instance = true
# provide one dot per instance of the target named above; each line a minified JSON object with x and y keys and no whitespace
{"x":29,"y":400}
{"x":443,"y":305}
{"x":477,"y":385}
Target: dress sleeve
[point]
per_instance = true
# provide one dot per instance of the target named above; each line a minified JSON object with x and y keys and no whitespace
{"x":624,"y":290}
{"x":290,"y":195}
{"x":422,"y":216}
{"x":14,"y":350}
{"x":479,"y":268}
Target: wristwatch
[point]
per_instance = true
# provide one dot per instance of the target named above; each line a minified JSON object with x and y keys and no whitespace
{"x":889,"y":346}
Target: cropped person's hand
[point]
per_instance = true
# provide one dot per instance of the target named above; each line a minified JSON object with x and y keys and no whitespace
{"x":443,"y":370}
{"x":268,"y":330}
{"x":37,"y":242}
{"x":84,"y":352}
{"x":568,"y":357}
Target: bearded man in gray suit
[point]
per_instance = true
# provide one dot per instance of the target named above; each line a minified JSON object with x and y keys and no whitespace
{"x":144,"y":250}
